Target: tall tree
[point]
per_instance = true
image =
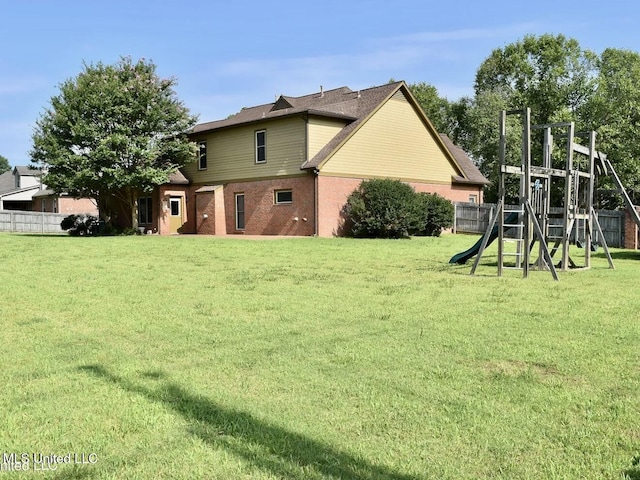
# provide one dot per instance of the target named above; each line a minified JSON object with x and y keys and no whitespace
{"x":614,"y":112}
{"x":478,"y":134}
{"x":550,"y":74}
{"x":4,"y":165}
{"x":436,"y":108}
{"x":114,"y":131}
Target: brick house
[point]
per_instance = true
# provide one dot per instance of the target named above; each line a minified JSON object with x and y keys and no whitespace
{"x":287,"y":168}
{"x":48,"y":201}
{"x":21,"y":189}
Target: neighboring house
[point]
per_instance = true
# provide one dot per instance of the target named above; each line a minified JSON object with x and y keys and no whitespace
{"x":287,"y":168}
{"x":22,"y":189}
{"x":17,"y":188}
{"x":48,"y":201}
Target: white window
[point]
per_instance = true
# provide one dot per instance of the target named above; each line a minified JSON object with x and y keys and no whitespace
{"x":261,"y":146}
{"x":283,"y":197}
{"x":202,"y":156}
{"x":473,"y":198}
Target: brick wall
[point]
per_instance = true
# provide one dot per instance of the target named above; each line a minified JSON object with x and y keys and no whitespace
{"x":186,"y":193}
{"x":205,"y":213}
{"x":213,"y":212}
{"x":66,"y":205}
{"x":631,"y":233}
{"x":333,"y":193}
{"x":210,"y":214}
{"x":263,"y":216}
{"x":77,"y":205}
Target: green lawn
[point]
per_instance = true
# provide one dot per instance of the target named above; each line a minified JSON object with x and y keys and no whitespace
{"x":194,"y":358}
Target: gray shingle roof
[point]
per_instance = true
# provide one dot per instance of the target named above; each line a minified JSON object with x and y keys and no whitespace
{"x":338,"y":103}
{"x":353,"y":106}
{"x":7,"y":182}
{"x":471,"y":172}
{"x":43,"y":193}
{"x":178,"y":178}
{"x":360,"y":106}
{"x":25,"y":171}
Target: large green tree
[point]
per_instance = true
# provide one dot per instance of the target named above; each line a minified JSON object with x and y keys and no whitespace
{"x":4,"y":165}
{"x":477,"y":132}
{"x":437,"y":108}
{"x":613,"y":111}
{"x":114,"y":131}
{"x":550,"y":74}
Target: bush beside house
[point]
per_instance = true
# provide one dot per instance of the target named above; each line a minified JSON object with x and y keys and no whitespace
{"x":385,"y":208}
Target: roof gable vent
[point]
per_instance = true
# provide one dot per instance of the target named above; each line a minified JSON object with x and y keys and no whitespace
{"x":281,"y":104}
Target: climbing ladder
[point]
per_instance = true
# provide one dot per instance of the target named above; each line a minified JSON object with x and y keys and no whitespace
{"x":531,"y":220}
{"x":526,"y":227}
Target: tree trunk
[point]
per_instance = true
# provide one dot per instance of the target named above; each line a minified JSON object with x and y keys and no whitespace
{"x":133,"y":203}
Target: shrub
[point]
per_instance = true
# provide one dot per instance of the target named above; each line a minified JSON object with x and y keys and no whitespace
{"x":383,"y":208}
{"x":437,"y":214}
{"x":80,"y":225}
{"x":392,"y":209}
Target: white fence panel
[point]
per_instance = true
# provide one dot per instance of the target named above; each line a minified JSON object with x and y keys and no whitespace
{"x":30,"y":222}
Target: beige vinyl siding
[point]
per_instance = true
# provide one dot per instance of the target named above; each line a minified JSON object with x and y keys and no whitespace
{"x":231,"y":152}
{"x":320,"y":132}
{"x":394,"y":143}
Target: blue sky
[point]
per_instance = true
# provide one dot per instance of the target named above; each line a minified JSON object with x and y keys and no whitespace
{"x":232,"y":54}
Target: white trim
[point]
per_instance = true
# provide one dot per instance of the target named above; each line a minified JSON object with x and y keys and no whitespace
{"x":284,"y":190}
{"x":264,"y":146}
{"x":244,"y":209}
{"x":206,"y":162}
{"x":176,"y":201}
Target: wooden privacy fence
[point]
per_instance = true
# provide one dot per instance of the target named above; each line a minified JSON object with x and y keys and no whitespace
{"x":612,"y":224}
{"x":30,"y":222}
{"x":475,"y":218}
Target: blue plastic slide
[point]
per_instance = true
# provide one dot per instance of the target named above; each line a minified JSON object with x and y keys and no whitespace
{"x":462,"y":257}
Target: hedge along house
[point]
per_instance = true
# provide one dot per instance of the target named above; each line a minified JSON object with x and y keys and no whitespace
{"x":287,"y":168}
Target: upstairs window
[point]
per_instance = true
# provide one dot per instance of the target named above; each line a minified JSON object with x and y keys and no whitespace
{"x":202,"y":156}
{"x":261,"y":146}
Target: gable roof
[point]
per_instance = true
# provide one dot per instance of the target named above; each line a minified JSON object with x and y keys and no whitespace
{"x":355,"y":107}
{"x":365,"y":103}
{"x":338,"y":103}
{"x":471,"y":173}
{"x":26,"y":171}
{"x":7,"y":182}
{"x":178,"y":178}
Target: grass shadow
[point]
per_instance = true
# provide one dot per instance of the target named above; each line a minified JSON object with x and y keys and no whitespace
{"x":633,"y":473}
{"x":269,"y":447}
{"x":624,"y":255}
